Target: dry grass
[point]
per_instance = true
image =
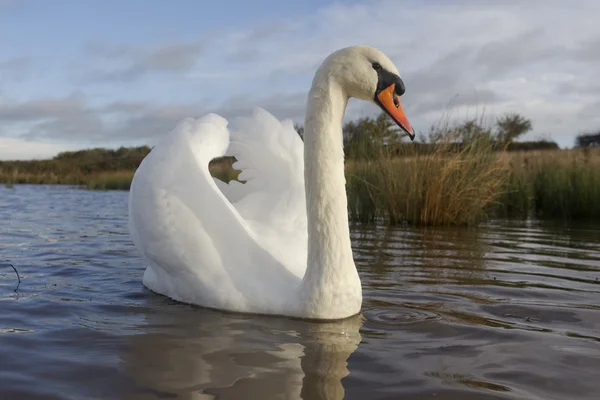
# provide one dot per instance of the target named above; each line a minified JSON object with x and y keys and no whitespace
{"x":115,"y":180}
{"x":43,"y":177}
{"x":561,"y":184}
{"x":449,"y":187}
{"x":109,"y":180}
{"x":445,"y":187}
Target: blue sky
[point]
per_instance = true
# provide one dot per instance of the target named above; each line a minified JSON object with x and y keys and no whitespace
{"x":82,"y":73}
{"x":54,"y":36}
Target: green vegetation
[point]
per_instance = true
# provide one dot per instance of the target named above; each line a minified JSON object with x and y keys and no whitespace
{"x":463,"y":187}
{"x":98,"y":169}
{"x":465,"y":173}
{"x":75,"y":167}
{"x":444,"y":183}
{"x":118,"y":180}
{"x":457,"y":175}
{"x":588,"y":140}
{"x":561,"y":184}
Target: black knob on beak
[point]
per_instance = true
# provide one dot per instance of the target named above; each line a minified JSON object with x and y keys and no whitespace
{"x":400,"y":88}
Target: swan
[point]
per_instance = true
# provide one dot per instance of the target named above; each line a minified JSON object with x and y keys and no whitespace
{"x":280,"y":242}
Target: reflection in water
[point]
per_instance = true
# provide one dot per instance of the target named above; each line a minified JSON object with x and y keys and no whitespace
{"x":196,"y":353}
{"x":508,"y":310}
{"x":447,"y":253}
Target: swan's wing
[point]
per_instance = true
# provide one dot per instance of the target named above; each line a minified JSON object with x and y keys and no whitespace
{"x":270,"y":155}
{"x":199,"y":248}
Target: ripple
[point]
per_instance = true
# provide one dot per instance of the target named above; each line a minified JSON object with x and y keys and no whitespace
{"x":400,"y":316}
{"x":15,"y":330}
{"x":508,"y":310}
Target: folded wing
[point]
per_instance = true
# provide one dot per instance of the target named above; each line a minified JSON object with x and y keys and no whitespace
{"x":234,"y":246}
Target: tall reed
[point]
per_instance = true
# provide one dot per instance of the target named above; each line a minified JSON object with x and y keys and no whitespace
{"x":561,"y":184}
{"x":453,"y":184}
{"x":439,"y":183}
{"x":116,"y":180}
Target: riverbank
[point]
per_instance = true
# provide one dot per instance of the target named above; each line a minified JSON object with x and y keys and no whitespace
{"x":445,"y":187}
{"x":472,"y":186}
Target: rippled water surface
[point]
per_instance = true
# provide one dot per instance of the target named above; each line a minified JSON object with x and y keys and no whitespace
{"x":505,"y":311}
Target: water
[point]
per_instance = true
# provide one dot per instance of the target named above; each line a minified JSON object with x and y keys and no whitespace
{"x":505,"y":311}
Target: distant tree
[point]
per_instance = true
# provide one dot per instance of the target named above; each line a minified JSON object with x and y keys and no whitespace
{"x":529,"y":146}
{"x":99,"y":159}
{"x":367,"y":137}
{"x":465,"y":132}
{"x":588,"y":140}
{"x":472,"y":130}
{"x":511,"y":126}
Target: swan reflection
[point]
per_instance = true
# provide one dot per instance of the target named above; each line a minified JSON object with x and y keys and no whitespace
{"x":203,"y":354}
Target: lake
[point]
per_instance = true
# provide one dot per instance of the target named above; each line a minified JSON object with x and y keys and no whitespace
{"x":508,"y":310}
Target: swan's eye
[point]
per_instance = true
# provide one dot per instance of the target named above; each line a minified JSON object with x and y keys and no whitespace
{"x":377,"y":66}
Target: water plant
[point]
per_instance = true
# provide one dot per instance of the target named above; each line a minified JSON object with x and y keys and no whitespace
{"x":460,"y":175}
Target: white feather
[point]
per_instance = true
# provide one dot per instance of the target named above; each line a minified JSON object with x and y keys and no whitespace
{"x":277,"y":244}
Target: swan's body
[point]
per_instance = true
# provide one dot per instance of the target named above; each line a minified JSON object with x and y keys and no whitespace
{"x":278,"y":244}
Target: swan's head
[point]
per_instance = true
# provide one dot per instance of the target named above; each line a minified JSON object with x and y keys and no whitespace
{"x":368,"y":74}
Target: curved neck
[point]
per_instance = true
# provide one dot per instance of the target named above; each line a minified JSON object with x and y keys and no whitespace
{"x":331,"y":274}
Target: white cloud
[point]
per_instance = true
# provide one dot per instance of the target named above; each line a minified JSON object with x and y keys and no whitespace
{"x":74,"y":119}
{"x":129,"y":63}
{"x":492,"y":55}
{"x":538,"y":58}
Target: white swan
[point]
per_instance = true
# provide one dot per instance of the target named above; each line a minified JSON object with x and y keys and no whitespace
{"x":278,"y":244}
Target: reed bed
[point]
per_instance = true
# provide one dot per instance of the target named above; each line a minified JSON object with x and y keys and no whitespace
{"x":115,"y":180}
{"x":14,"y":177}
{"x":446,"y":185}
{"x":563,"y":184}
{"x":449,"y":187}
{"x":108,"y":180}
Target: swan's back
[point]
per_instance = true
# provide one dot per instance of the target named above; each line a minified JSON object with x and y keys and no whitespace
{"x":240,"y":247}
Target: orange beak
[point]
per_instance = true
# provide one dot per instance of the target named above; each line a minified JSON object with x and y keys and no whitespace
{"x":387,"y":100}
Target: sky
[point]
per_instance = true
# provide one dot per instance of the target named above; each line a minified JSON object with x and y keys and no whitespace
{"x":87,"y":73}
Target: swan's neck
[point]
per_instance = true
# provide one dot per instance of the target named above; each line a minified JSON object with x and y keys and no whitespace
{"x":331,"y":281}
